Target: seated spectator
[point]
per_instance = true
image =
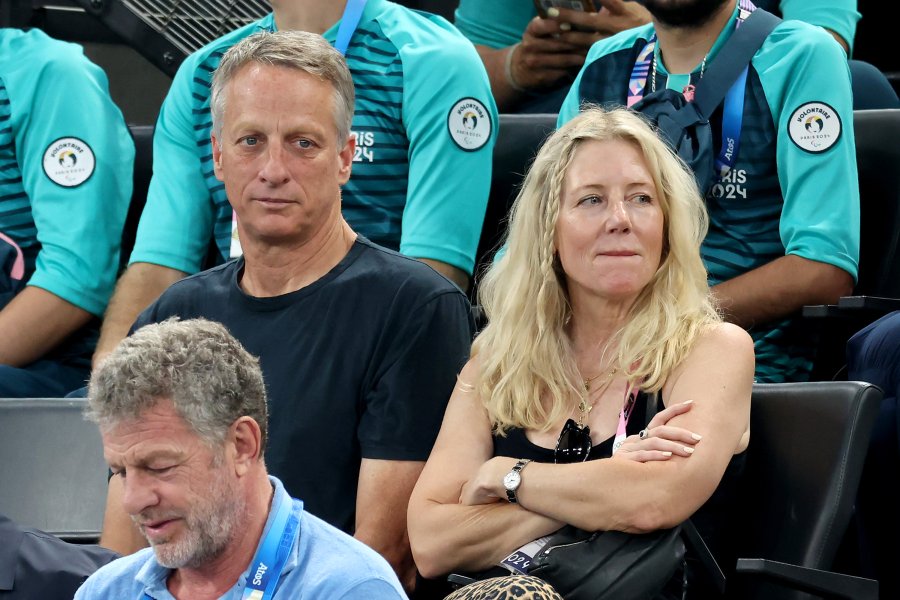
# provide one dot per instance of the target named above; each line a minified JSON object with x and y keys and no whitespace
{"x":66,"y":161}
{"x":873,"y":355}
{"x":182,"y":411}
{"x":784,"y":201}
{"x":35,"y":564}
{"x":360,"y":346}
{"x":600,"y":300}
{"x":425,"y":126}
{"x":531,"y":60}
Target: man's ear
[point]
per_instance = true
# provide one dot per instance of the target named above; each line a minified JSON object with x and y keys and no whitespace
{"x":247,"y":439}
{"x":346,"y":158}
{"x":217,"y":156}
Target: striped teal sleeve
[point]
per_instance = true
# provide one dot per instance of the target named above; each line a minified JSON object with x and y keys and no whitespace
{"x":817,"y":171}
{"x":78,"y":220}
{"x":449,"y":152}
{"x":177,"y":221}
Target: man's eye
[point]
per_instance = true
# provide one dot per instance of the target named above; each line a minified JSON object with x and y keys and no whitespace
{"x":159,"y":470}
{"x":249,"y":140}
{"x":305,"y":144}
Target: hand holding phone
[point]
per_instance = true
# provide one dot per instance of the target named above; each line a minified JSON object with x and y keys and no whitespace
{"x":579,"y":5}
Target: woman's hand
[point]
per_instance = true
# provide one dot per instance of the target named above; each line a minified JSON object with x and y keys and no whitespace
{"x":487,"y":484}
{"x":661,"y":441}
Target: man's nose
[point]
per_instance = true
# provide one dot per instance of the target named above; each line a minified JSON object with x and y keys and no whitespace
{"x":274,"y":171}
{"x":139,"y":493}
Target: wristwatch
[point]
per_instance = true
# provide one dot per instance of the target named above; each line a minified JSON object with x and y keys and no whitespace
{"x":513,"y":480}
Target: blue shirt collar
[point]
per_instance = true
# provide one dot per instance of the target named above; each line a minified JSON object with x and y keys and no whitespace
{"x":153,"y":576}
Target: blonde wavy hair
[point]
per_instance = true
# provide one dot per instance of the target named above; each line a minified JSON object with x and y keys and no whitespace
{"x":527,"y":372}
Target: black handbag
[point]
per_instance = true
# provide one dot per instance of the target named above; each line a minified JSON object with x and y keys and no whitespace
{"x":584,"y":565}
{"x":599,"y":565}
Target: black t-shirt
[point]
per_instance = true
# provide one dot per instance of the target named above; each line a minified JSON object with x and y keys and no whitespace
{"x":359,"y":364}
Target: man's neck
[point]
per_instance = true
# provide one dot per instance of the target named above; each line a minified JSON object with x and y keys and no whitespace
{"x":212,"y":581}
{"x":316,"y":16}
{"x":274,"y":270}
{"x":683,"y":48}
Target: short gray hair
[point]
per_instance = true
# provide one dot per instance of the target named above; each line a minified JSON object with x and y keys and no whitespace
{"x":300,"y":50}
{"x":206,"y":373}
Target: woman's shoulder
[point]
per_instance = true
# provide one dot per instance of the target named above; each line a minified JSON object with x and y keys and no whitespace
{"x":725,"y":339}
{"x":723,"y":350}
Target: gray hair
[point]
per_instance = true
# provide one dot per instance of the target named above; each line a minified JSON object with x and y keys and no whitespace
{"x":206,"y":373}
{"x":300,"y":50}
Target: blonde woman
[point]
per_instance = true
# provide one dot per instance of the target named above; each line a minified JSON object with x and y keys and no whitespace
{"x":600,"y":299}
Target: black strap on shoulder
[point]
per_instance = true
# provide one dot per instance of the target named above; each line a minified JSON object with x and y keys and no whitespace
{"x":731,"y":60}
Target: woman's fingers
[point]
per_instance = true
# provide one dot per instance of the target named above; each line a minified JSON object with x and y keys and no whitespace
{"x":675,"y":434}
{"x":669,"y":413}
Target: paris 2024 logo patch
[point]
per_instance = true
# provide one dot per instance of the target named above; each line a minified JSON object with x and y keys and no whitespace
{"x":69,"y":162}
{"x":469,"y":123}
{"x":815,"y":127}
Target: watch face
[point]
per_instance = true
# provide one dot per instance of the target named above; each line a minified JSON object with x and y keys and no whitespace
{"x":512,"y":480}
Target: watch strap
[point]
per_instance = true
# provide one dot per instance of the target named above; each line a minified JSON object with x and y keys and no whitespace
{"x":511,"y":493}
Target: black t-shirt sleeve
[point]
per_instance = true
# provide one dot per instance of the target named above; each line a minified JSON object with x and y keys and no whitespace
{"x":405,"y":405}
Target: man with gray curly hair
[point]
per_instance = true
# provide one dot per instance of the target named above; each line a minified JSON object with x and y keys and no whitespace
{"x":181,"y":407}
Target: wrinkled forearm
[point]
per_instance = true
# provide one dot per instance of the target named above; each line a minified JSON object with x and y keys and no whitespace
{"x":448,"y":537}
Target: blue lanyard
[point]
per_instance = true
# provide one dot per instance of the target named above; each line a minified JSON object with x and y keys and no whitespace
{"x":733,"y":111}
{"x":265,"y":570}
{"x":349,"y":22}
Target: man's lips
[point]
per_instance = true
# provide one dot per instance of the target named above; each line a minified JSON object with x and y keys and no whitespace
{"x":273,"y":201}
{"x":157,"y":527}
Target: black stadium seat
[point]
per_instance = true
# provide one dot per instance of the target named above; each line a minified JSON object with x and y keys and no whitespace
{"x":52,"y":476}
{"x":807,"y":446}
{"x":143,"y":170}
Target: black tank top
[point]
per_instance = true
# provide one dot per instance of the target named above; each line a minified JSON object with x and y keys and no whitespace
{"x":713,"y":520}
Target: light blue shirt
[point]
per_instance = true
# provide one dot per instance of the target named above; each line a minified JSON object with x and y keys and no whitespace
{"x":324,"y":563}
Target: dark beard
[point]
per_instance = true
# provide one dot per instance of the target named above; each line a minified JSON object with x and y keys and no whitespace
{"x":683,"y":13}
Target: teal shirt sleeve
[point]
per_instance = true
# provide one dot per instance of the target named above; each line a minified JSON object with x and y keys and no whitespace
{"x":494,"y":23}
{"x":798,"y":65}
{"x":840,"y":16}
{"x":448,"y":185}
{"x":79,"y":227}
{"x":176,"y":225}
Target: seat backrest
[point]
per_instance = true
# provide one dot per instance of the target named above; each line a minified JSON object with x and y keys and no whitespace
{"x":52,"y":472}
{"x":518,"y":139}
{"x":143,"y":170}
{"x":878,"y":161}
{"x":808,"y":442}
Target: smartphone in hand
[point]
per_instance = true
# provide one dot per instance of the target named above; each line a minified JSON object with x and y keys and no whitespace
{"x":584,"y":5}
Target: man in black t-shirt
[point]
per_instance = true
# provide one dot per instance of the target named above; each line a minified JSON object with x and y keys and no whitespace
{"x":359,"y":346}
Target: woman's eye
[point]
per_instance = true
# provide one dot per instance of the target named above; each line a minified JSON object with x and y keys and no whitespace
{"x":591,"y":200}
{"x":643,"y":199}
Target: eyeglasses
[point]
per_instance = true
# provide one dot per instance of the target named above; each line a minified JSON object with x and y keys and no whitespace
{"x":574,"y":443}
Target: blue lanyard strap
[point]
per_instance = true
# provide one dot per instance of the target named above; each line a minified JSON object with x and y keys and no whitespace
{"x":733,"y":112}
{"x":265,"y":570}
{"x":349,"y":22}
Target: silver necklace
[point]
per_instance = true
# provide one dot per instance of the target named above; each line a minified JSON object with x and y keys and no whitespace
{"x":688,"y":87}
